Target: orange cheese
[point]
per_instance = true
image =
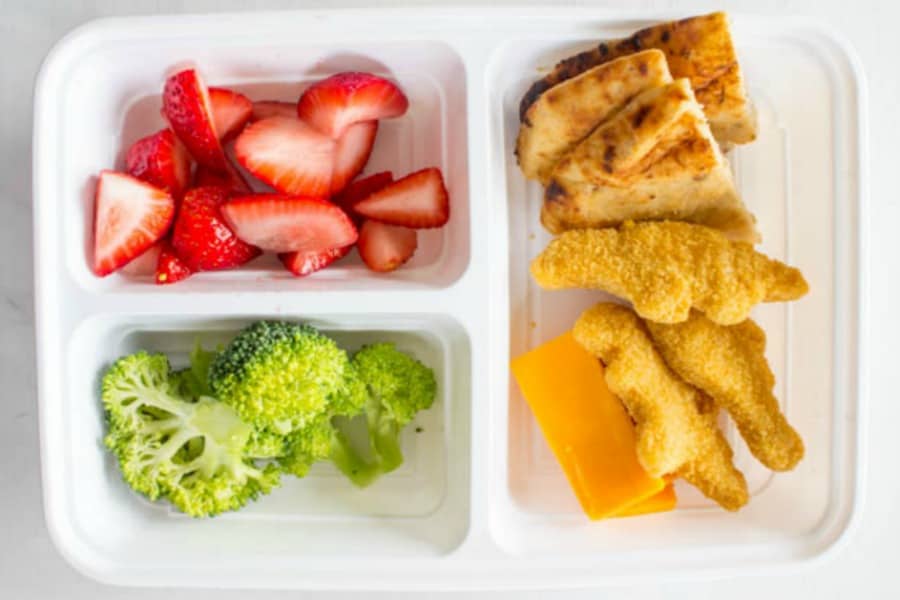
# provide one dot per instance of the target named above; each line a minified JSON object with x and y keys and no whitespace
{"x":661,"y":502}
{"x":586,"y":426}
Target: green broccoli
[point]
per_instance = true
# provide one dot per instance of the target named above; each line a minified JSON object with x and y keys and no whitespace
{"x":192,"y":382}
{"x":190,"y":450}
{"x":289,"y":381}
{"x":282,"y":376}
{"x":399,"y":387}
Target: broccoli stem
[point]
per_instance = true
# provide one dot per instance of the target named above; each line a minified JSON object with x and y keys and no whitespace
{"x":350,"y":463}
{"x":386,"y":439}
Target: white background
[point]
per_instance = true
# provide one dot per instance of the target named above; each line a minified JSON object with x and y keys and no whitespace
{"x":866,"y":567}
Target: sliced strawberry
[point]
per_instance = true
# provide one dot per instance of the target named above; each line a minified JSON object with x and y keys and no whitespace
{"x":335,"y":103}
{"x":304,"y":263}
{"x":201,"y":237}
{"x":362,"y":188}
{"x":385,"y":247}
{"x":359,"y":190}
{"x":160,"y":160}
{"x":231,"y":179}
{"x":145,"y":264}
{"x":289,"y":223}
{"x":230,"y":111}
{"x":187,"y":107}
{"x":129,"y":216}
{"x":170,"y":268}
{"x":352,"y":153}
{"x":263,"y":109}
{"x":287,"y":154}
{"x":418,"y":200}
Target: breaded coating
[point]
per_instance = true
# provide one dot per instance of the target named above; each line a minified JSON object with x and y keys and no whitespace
{"x":665,"y":268}
{"x":655,"y":159}
{"x":729,"y":364}
{"x":699,"y":48}
{"x":673,"y":435}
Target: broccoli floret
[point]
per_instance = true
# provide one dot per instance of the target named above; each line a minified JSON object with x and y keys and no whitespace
{"x":192,"y":453}
{"x":399,"y":387}
{"x":193,"y":381}
{"x":307,"y":445}
{"x":282,"y":376}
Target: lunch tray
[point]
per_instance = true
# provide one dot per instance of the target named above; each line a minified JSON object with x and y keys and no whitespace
{"x":480,"y":501}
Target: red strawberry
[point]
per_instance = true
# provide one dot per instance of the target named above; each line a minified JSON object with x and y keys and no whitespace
{"x":230,"y":111}
{"x":143,"y":265}
{"x":201,"y":237}
{"x":160,"y":160}
{"x":287,"y":154}
{"x":129,"y":216}
{"x":304,"y":263}
{"x":187,"y":107}
{"x":263,"y":109}
{"x":335,"y":103}
{"x":385,"y":247}
{"x":170,"y":268}
{"x":359,"y":190}
{"x":231,"y":179}
{"x":289,"y":223}
{"x":418,"y":200}
{"x":352,"y":153}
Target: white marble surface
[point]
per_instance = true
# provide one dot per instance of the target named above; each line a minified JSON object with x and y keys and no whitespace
{"x":31,"y":568}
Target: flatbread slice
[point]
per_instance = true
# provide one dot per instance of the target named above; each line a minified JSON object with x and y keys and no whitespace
{"x":654,"y":160}
{"x":699,"y":48}
{"x":567,"y":113}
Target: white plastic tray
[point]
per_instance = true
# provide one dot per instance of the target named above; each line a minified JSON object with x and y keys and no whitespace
{"x":480,"y":502}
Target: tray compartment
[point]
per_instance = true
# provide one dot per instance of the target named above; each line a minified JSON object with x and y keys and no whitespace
{"x":117,"y":104}
{"x":786,"y":179}
{"x":420,"y":509}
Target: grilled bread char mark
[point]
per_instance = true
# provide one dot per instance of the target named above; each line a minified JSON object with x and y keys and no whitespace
{"x":655,"y":159}
{"x":699,"y":48}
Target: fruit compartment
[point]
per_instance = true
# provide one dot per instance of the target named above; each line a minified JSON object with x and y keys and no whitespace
{"x":120,"y":104}
{"x":803,"y":218}
{"x":422,"y":509}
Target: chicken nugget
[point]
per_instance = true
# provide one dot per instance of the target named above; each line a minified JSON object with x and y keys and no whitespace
{"x":674,"y":436}
{"x":729,"y":364}
{"x":665,"y":267}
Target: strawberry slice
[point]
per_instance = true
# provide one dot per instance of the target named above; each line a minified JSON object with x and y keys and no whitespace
{"x":335,"y":103}
{"x":302,"y":264}
{"x":129,"y":216}
{"x":352,"y":153}
{"x":230,"y":111}
{"x":231,"y":179}
{"x":418,"y":200}
{"x":187,"y":107}
{"x":201,"y":237}
{"x":359,"y":190}
{"x":287,"y":154}
{"x":263,"y":109}
{"x":145,"y":264}
{"x":289,"y":223}
{"x":385,"y":247}
{"x":170,"y":268}
{"x":160,"y":160}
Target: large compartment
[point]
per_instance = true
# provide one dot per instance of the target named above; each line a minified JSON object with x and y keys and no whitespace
{"x":794,"y":179}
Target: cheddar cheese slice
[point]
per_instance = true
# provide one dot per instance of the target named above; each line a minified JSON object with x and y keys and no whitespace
{"x":586,"y":427}
{"x":661,"y":502}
